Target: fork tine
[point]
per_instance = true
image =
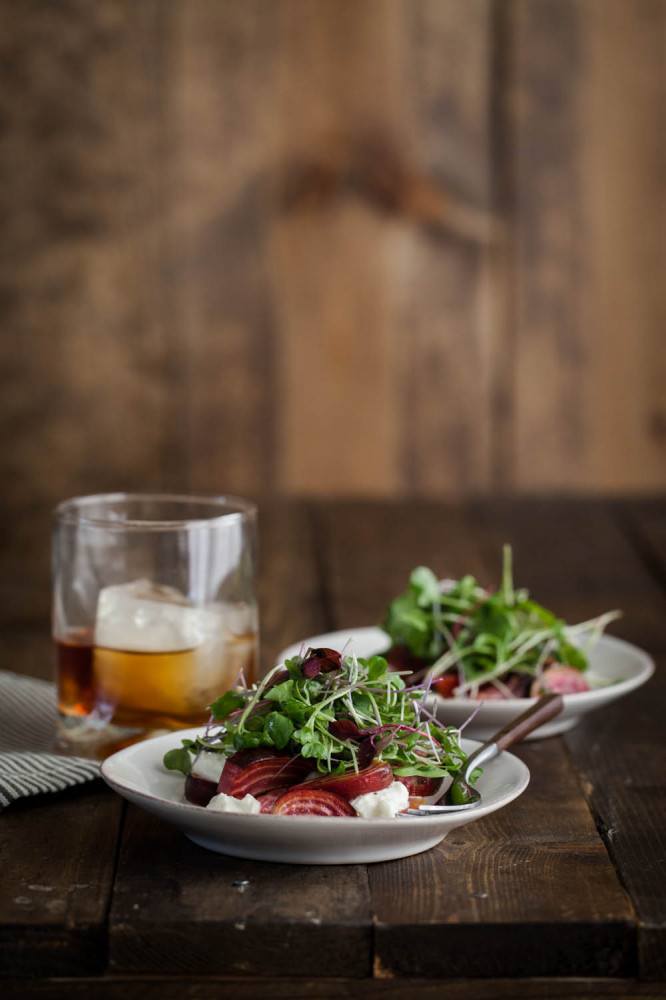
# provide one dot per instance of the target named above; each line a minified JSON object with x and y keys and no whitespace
{"x":438,"y":810}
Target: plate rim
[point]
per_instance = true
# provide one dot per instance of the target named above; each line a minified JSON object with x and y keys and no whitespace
{"x":187,"y":808}
{"x":581,"y":698}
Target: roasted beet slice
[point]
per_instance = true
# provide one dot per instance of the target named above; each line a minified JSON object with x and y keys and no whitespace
{"x":419,"y":786}
{"x":352,"y":784}
{"x":199,"y":791}
{"x":518,"y":686}
{"x":366,"y":753}
{"x":346,"y":729}
{"x":559,"y":678}
{"x":278,"y":678}
{"x":241,"y":760}
{"x":446,"y":685}
{"x":265,"y":775}
{"x":321,"y":661}
{"x":307,"y":801}
{"x":402,"y":658}
{"x":268,"y":799}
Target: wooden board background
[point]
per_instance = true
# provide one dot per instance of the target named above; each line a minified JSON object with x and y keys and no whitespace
{"x":321,"y":246}
{"x":567,"y":882}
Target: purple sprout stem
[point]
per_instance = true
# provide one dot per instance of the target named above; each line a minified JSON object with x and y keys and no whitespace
{"x":469,"y":718}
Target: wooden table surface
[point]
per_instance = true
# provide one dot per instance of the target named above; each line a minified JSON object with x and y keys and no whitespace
{"x":564,"y":890}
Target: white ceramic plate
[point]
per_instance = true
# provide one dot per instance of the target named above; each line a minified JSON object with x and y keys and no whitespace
{"x":616,"y":668}
{"x":137,"y":774}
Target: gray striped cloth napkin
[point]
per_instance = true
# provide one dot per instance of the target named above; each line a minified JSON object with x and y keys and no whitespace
{"x":27,"y":730}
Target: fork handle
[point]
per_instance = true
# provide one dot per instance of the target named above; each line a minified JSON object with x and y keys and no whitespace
{"x":546,"y":708}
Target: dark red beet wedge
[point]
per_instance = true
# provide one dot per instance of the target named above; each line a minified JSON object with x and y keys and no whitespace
{"x":517,"y":685}
{"x":321,"y":661}
{"x":277,"y":678}
{"x":402,"y":658}
{"x":266,"y":775}
{"x":370,"y":779}
{"x":346,"y":729}
{"x":199,"y":791}
{"x":445,"y":685}
{"x":306,"y":801}
{"x":366,"y":753}
{"x":419,"y":786}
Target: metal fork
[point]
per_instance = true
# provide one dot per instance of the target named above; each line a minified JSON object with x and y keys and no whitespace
{"x":461,"y":795}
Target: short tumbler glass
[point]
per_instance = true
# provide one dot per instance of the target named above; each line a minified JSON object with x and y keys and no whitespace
{"x":154,"y":613}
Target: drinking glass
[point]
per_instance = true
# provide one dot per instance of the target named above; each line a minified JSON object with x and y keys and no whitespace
{"x":154,"y":613}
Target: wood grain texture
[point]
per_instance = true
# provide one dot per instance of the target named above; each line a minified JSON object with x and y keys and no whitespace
{"x":216,"y":914}
{"x":645,"y":523}
{"x":57,"y":859}
{"x":291,"y":590}
{"x":28,"y":652}
{"x":369,"y":548}
{"x":576,"y":558}
{"x":619,"y":754}
{"x":85,"y":401}
{"x":221,"y":133}
{"x":528,"y":891}
{"x":308,"y":246}
{"x":534,"y":888}
{"x":571,"y":555}
{"x":212,"y":988}
{"x":378,"y":251}
{"x":585,"y":90}
{"x":205,"y":919}
{"x":486,"y":882}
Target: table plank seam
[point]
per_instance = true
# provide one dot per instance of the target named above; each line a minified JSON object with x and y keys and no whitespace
{"x":626,"y":521}
{"x":605,"y":835}
{"x":107,"y":913}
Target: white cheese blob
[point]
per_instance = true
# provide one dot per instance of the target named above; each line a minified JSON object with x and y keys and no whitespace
{"x":384,"y":804}
{"x":209,"y":765}
{"x":228,"y":804}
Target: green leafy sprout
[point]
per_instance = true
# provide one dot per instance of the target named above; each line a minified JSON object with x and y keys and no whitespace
{"x":296,"y":714}
{"x":482,"y":634}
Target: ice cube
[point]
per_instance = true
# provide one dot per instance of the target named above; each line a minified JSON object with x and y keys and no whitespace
{"x":150,"y":618}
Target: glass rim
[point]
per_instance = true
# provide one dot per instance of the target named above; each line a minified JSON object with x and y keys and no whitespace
{"x":72,"y":511}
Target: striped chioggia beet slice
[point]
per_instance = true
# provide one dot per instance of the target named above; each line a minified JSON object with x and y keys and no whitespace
{"x":268,"y":799}
{"x":307,"y":801}
{"x":241,"y":760}
{"x":264,"y":775}
{"x":560,"y":678}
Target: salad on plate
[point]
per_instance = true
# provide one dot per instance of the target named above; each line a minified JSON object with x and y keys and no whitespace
{"x":325,"y":734}
{"x":473,"y":642}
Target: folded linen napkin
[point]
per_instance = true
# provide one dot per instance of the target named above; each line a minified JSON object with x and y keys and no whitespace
{"x":28,"y":765}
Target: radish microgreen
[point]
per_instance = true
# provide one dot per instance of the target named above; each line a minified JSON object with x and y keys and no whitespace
{"x":482,"y":634}
{"x":353,"y":712}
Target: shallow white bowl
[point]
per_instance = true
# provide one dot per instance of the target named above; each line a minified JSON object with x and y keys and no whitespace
{"x":616,"y":668}
{"x":137,"y":774}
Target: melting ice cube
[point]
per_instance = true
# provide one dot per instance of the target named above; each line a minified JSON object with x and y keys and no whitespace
{"x":150,"y":618}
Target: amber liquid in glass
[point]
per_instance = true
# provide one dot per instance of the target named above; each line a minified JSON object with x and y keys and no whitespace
{"x":137,"y":693}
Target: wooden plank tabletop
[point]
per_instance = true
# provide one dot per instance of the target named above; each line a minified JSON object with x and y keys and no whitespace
{"x":561,"y":894}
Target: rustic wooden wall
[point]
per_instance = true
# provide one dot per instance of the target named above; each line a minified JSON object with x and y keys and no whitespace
{"x":350,"y":246}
